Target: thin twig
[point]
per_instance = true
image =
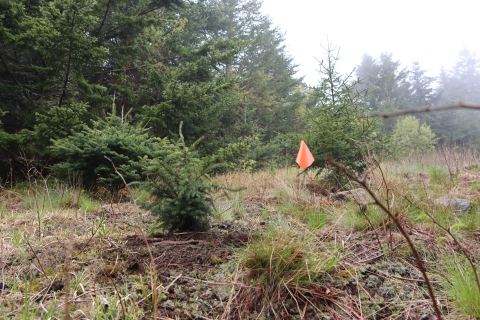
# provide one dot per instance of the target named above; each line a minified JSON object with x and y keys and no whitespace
{"x":123,"y":179}
{"x":94,"y":232}
{"x":378,"y":256}
{"x":158,"y":287}
{"x":122,"y":303}
{"x":459,"y":105}
{"x":466,"y":252}
{"x":400,"y":227}
{"x":36,"y":258}
{"x":220,"y":283}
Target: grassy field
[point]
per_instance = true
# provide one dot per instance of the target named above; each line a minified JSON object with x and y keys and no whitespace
{"x":283,"y":247}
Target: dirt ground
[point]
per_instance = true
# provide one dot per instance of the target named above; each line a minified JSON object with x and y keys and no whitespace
{"x":186,"y":264}
{"x":196,"y":271}
{"x":198,"y":274}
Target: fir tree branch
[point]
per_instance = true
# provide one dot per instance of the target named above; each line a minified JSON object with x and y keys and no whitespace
{"x":138,"y":67}
{"x":25,"y":92}
{"x":104,"y":17}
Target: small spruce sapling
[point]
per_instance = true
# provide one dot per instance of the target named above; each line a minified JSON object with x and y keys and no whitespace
{"x":181,"y":189}
{"x":89,"y":153}
{"x":335,"y":125}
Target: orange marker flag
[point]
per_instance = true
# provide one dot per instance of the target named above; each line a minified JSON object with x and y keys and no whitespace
{"x":304,"y":156}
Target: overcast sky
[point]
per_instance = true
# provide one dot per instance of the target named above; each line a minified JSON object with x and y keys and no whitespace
{"x":431,"y":32}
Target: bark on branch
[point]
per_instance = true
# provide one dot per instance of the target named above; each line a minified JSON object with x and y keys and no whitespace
{"x":459,"y":105}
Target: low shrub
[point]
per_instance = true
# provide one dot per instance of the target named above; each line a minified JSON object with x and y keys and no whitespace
{"x":87,"y":153}
{"x":180,"y":188}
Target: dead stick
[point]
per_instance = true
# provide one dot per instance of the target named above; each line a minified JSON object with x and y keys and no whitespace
{"x":120,"y":175}
{"x":400,"y":228}
{"x":36,"y":258}
{"x":459,"y":105}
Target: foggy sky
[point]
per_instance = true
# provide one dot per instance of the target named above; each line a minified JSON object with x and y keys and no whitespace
{"x":431,"y":32}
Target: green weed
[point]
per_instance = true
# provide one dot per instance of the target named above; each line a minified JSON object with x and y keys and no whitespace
{"x":313,"y":217}
{"x":461,"y":287}
{"x":140,"y":194}
{"x":437,"y":174}
{"x":353,"y":217}
{"x":58,"y":197}
{"x":88,"y":204}
{"x":475,"y":186}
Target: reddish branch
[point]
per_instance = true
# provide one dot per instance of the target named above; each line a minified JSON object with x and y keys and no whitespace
{"x":400,"y":227}
{"x":459,"y":105}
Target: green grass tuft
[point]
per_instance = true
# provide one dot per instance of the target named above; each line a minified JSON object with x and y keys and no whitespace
{"x":462,"y":288}
{"x":355,"y":219}
{"x":437,"y":174}
{"x":282,"y":261}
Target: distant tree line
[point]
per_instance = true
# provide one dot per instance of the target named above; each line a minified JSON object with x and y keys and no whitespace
{"x":392,"y":88}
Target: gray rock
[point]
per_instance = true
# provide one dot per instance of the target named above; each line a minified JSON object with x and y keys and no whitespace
{"x":461,"y":205}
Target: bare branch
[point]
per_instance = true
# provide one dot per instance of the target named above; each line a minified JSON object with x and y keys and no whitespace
{"x":400,"y":227}
{"x":459,"y":105}
{"x":468,"y":255}
{"x":104,"y":17}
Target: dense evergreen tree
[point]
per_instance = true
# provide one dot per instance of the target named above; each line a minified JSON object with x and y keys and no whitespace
{"x":462,"y":83}
{"x":218,"y":66}
{"x":261,"y":94}
{"x":386,"y":82}
{"x":387,"y":85}
{"x":422,"y":87}
{"x":392,"y":88}
{"x":267,"y":94}
{"x":335,"y":127}
{"x":62,"y":61}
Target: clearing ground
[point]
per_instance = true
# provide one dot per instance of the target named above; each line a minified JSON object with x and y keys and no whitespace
{"x":105,"y":261}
